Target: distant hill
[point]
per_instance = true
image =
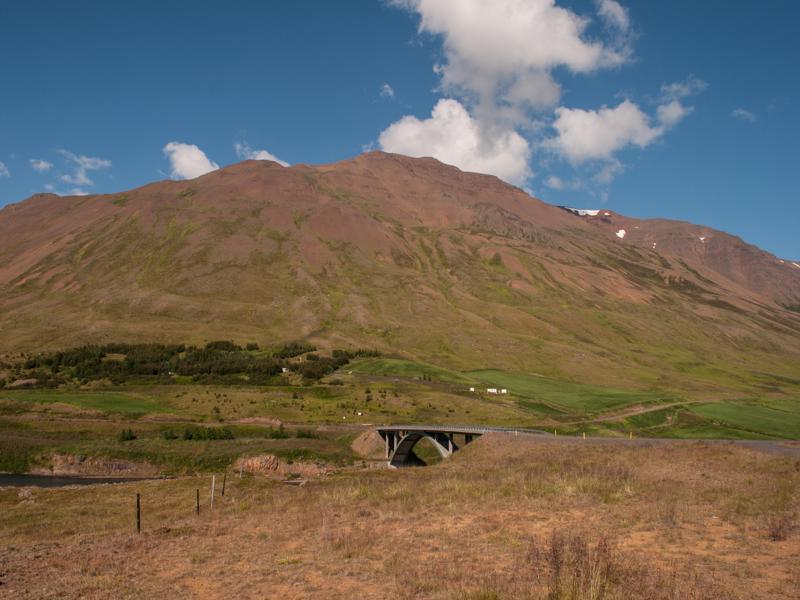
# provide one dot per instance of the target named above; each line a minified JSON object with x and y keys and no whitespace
{"x":409,"y":256}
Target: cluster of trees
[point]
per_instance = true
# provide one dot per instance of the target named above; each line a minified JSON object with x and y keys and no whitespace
{"x":281,"y":434}
{"x":218,"y":362}
{"x":199,"y":433}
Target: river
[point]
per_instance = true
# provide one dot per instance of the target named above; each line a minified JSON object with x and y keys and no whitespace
{"x":49,"y":481}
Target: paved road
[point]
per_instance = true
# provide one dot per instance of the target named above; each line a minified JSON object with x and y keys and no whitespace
{"x":776,"y":447}
{"x":789,"y":448}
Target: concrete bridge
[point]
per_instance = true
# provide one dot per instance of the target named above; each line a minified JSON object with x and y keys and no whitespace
{"x":401,"y":439}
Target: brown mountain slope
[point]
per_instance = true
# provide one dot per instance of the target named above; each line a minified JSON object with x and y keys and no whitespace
{"x":408,"y":255}
{"x":743,"y":264}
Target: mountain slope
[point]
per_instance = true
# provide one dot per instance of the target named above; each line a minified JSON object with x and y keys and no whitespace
{"x":742,"y":264}
{"x":407,"y":255}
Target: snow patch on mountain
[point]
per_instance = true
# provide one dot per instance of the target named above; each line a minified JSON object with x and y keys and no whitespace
{"x":621,"y":233}
{"x":582,"y":212}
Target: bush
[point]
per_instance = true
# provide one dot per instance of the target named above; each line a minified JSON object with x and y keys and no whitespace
{"x":14,"y":457}
{"x":276,"y":434}
{"x":251,"y":347}
{"x":207,"y":433}
{"x":779,"y":526}
{"x":306,"y":434}
{"x":126,"y":435}
{"x":293,"y":349}
{"x":222,"y":346}
{"x":219,"y":362}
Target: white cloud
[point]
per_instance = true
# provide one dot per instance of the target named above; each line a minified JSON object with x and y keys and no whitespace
{"x":4,"y":172}
{"x":613,"y":14}
{"x":745,"y":115}
{"x":677,"y":90}
{"x":81,"y":166}
{"x":491,"y":46}
{"x":608,"y":172}
{"x":454,"y":137}
{"x":501,"y":59}
{"x":554,"y":183}
{"x":49,"y":187}
{"x":245,"y":152}
{"x":187,"y":161}
{"x":584,"y":135}
{"x":573,"y":184}
{"x":498,"y":68}
{"x":40,"y":165}
{"x":387,"y":91}
{"x":672,"y":113}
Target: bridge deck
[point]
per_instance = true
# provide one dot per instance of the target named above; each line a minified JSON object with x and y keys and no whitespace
{"x":473,"y":429}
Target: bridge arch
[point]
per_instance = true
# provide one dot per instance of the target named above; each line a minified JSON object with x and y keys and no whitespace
{"x":404,"y":455}
{"x":401,"y":439}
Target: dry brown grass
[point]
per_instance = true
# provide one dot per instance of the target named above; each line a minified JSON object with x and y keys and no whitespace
{"x":504,"y":518}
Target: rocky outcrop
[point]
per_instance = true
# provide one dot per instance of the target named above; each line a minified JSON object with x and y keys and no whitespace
{"x":271,"y":466}
{"x":370,"y":445}
{"x":89,"y":466}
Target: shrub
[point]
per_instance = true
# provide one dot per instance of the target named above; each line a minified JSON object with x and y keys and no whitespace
{"x":779,"y":526}
{"x":14,"y":457}
{"x":276,"y":434}
{"x":222,"y":346}
{"x":293,"y":349}
{"x":126,"y":435}
{"x":207,"y":433}
{"x":306,"y":434}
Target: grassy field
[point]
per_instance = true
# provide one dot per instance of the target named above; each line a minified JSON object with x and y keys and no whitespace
{"x":559,"y":519}
{"x":31,"y":443}
{"x":574,"y":397}
{"x":35,"y":425}
{"x":754,"y":417}
{"x":395,"y":367}
{"x":104,"y":401}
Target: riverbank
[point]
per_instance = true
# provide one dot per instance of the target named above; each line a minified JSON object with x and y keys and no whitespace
{"x":56,"y":481}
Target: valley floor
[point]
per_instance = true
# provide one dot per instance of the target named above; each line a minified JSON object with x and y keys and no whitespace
{"x":503,"y":518}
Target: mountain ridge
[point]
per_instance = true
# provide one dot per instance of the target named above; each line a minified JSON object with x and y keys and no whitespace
{"x":408,"y":255}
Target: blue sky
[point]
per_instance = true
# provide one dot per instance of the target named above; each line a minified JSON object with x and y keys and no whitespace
{"x":685,"y":110}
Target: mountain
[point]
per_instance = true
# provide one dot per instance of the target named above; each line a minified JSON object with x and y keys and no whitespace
{"x":410,"y":256}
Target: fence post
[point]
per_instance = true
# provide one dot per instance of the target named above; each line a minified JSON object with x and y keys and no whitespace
{"x":224,"y":477}
{"x":213,"y":483}
{"x":138,"y":514}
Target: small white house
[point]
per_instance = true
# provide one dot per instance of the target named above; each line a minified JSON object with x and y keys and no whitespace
{"x":503,"y":391}
{"x":472,"y":389}
{"x":491,"y":390}
{"x":284,"y":370}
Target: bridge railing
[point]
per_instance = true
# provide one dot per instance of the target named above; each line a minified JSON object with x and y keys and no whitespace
{"x":475,"y":429}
